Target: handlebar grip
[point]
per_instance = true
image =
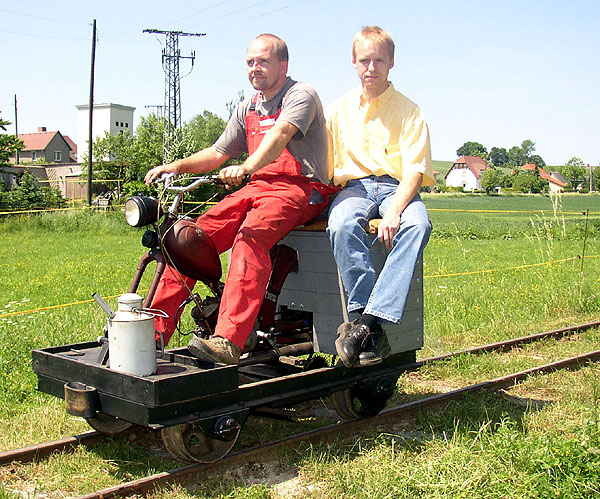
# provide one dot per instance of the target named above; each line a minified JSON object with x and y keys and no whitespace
{"x":245,"y":180}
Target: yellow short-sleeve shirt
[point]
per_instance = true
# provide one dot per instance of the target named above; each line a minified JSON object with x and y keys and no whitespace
{"x":387,"y":136}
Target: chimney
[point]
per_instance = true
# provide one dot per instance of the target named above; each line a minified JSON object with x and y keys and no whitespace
{"x":41,"y":129}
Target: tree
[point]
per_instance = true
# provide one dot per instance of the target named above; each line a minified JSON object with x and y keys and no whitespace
{"x":128,"y":157}
{"x":574,"y":172}
{"x":490,"y":179}
{"x":516,"y":157}
{"x":9,"y":144}
{"x":233,"y":103}
{"x":528,"y":147}
{"x":27,"y":193}
{"x":537,"y":161}
{"x":575,"y":161}
{"x":472,"y":149}
{"x":147,"y":146}
{"x":498,"y":156}
{"x":204,"y":130}
{"x":529,"y":181}
{"x":114,"y":155}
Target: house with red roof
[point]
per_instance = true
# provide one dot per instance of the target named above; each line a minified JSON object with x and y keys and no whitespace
{"x":466,"y":173}
{"x":556,"y":183}
{"x":52,"y":147}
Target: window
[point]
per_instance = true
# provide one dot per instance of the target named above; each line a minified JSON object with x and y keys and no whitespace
{"x":116,"y":123}
{"x":33,"y":155}
{"x":57,"y":156}
{"x":126,"y":125}
{"x":121,"y":124}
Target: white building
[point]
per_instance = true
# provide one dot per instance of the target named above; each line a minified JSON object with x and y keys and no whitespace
{"x":466,"y":173}
{"x":111,"y":118}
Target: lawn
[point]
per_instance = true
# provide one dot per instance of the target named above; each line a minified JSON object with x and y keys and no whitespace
{"x":495,"y":267}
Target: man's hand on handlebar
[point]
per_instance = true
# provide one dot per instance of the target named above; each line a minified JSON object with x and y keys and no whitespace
{"x":234,"y":175}
{"x":156,"y":172}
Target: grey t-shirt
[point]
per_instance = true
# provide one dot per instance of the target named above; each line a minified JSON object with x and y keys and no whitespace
{"x":300,"y":106}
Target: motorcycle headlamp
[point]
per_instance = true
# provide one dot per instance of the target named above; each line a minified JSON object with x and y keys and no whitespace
{"x":142,"y":210}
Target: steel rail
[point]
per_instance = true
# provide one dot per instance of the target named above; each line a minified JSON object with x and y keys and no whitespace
{"x":503,"y":346}
{"x":42,"y":450}
{"x":192,"y":472}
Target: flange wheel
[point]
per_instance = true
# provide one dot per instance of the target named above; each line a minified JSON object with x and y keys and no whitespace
{"x":363,"y":401}
{"x":109,"y":425}
{"x":189,"y":443}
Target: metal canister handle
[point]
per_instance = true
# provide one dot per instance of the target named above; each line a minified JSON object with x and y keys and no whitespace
{"x":152,"y":312}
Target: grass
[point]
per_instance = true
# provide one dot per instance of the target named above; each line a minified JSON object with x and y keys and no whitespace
{"x":488,"y":276}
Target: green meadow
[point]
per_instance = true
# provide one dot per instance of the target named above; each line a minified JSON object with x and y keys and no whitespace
{"x":496,"y":267}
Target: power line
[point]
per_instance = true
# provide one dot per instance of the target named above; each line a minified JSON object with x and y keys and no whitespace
{"x":259,"y":15}
{"x":198,"y":12}
{"x":231,"y":13}
{"x":42,"y":18}
{"x":35,"y":35}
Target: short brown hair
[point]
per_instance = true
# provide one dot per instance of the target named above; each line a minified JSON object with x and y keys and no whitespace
{"x":279,"y":46}
{"x":375,"y":34}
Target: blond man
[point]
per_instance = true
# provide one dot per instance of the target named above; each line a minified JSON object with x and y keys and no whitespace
{"x":380,"y":153}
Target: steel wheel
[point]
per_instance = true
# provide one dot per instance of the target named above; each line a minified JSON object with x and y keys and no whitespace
{"x":189,"y":443}
{"x":109,"y":425}
{"x":363,"y":401}
{"x":173,"y":443}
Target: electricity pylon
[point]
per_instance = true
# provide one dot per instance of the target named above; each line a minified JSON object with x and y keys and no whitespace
{"x":172,"y":102}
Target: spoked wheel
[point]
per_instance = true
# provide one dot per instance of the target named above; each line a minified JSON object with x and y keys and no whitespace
{"x":363,"y":401}
{"x":190,"y":443}
{"x":109,"y":425}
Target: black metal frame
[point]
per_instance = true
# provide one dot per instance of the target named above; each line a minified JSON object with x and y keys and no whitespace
{"x":185,"y":389}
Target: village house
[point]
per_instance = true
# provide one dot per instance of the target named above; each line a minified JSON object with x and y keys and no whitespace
{"x":51,"y":147}
{"x":466,"y":173}
{"x":556,"y":182}
{"x":57,"y":151}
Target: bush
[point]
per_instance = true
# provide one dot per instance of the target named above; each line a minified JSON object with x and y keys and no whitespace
{"x":29,"y":194}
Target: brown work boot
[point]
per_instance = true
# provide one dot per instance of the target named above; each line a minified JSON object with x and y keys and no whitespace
{"x":215,"y":349}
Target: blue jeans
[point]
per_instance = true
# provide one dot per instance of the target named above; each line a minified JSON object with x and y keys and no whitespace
{"x":361,"y":200}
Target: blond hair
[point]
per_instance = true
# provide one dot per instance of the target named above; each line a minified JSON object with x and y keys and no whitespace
{"x":376,"y":35}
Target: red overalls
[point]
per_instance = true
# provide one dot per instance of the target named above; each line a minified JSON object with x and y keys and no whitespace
{"x":250,"y":221}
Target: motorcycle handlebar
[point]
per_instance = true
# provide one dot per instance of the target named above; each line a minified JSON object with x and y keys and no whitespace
{"x":167,"y":180}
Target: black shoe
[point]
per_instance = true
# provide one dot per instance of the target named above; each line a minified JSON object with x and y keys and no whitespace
{"x":376,"y":348}
{"x":350,"y":341}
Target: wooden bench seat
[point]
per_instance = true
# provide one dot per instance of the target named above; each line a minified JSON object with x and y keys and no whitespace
{"x":320,"y":224}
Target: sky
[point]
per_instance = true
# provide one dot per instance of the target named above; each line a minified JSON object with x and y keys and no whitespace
{"x":495,"y":72}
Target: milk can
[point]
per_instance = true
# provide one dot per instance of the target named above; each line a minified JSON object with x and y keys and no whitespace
{"x":131,"y":337}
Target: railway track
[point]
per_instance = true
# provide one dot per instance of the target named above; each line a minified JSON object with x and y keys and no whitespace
{"x":188,"y":473}
{"x":193,"y":472}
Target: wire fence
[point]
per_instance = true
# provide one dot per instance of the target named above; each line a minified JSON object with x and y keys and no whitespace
{"x":433,"y":276}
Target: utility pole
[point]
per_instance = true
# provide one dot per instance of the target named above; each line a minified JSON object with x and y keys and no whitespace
{"x":91,"y":120}
{"x":172,"y":102}
{"x":160,"y":115}
{"x":16,"y":131}
{"x":159,"y":109}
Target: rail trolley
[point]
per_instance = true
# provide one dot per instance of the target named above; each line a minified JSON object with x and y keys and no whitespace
{"x":200,"y":408}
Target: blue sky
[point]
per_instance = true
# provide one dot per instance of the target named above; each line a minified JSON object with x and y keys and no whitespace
{"x":492,"y":71}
